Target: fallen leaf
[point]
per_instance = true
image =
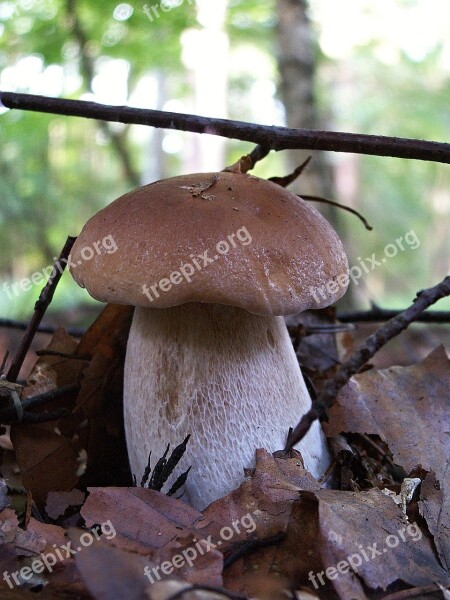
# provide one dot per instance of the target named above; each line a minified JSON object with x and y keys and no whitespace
{"x":100,"y":399}
{"x":434,"y":506}
{"x":110,"y":573}
{"x":373,"y":536}
{"x":161,"y":528}
{"x":45,"y":452}
{"x":407,"y":407}
{"x":59,"y":502}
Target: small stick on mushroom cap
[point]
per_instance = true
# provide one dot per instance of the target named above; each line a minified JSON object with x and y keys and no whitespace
{"x":212,"y":261}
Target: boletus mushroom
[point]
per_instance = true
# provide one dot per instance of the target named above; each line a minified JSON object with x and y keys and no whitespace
{"x":212,"y":262}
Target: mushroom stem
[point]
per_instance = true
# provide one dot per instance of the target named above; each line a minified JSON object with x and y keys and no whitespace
{"x":228,"y":377}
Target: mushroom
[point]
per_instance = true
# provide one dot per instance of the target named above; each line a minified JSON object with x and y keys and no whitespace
{"x":212,"y":262}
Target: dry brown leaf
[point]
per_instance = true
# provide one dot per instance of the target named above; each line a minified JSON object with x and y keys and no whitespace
{"x":157,"y":519}
{"x":47,"y":460}
{"x":45,"y":452}
{"x":161,"y":527}
{"x":323,"y":528}
{"x":100,"y":397}
{"x":110,"y":573}
{"x":59,"y":502}
{"x":407,"y":407}
{"x":27,"y":542}
{"x":385,"y":547}
{"x":48,"y":454}
{"x":105,"y":343}
{"x":20,"y":548}
{"x":51,"y":372}
{"x":271,"y":498}
{"x":8,"y":556}
{"x":435,"y":508}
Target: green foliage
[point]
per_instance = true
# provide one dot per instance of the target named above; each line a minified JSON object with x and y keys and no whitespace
{"x":55,"y":172}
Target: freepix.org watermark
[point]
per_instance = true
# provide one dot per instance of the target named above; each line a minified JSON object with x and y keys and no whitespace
{"x":366,"y":265}
{"x":59,"y":554}
{"x":196,"y":263}
{"x":354,"y":561}
{"x":154,"y":12}
{"x":189,"y":555}
{"x":106,"y":245}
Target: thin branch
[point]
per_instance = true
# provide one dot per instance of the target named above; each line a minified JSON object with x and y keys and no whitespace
{"x":249,"y":546}
{"x":10,"y":414}
{"x":11,"y":324}
{"x":45,"y":417}
{"x":288,"y":179}
{"x":275,"y":138}
{"x":380,"y":315}
{"x":375,"y":315}
{"x":359,"y":358}
{"x":67,"y":355}
{"x":258,"y":153}
{"x":34,"y":401}
{"x":39,"y":310}
{"x":343,"y":206}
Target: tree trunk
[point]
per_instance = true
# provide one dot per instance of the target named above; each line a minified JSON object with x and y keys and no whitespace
{"x":297,"y":66}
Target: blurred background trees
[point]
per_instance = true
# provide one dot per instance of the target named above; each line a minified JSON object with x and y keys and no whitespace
{"x":381,"y":68}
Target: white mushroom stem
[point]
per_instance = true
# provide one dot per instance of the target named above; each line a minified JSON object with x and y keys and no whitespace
{"x":229,"y":378}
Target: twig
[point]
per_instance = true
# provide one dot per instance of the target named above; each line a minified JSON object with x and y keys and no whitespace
{"x":40,"y":399}
{"x":300,"y":330}
{"x":11,"y":324}
{"x":380,"y":315}
{"x":375,"y":315}
{"x":40,"y":307}
{"x":384,"y":455}
{"x":343,"y":206}
{"x":258,"y":153}
{"x":45,"y":416}
{"x":288,"y":179}
{"x":10,"y":415}
{"x":69,"y":356}
{"x":249,"y":546}
{"x":275,"y":138}
{"x":358,"y":359}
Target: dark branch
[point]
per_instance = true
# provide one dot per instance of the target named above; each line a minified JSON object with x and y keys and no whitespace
{"x":332,"y":203}
{"x":288,"y":179}
{"x":9,"y":414}
{"x":40,"y":307}
{"x":11,"y":324}
{"x":275,"y":138}
{"x":380,"y":315}
{"x":358,"y":359}
{"x":375,"y":315}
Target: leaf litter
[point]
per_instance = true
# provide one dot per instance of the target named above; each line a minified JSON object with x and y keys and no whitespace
{"x":343,"y":537}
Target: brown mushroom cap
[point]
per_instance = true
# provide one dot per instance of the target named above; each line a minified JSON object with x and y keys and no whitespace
{"x":295,"y":259}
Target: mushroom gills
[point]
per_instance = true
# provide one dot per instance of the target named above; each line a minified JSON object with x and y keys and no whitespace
{"x":228,"y":377}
